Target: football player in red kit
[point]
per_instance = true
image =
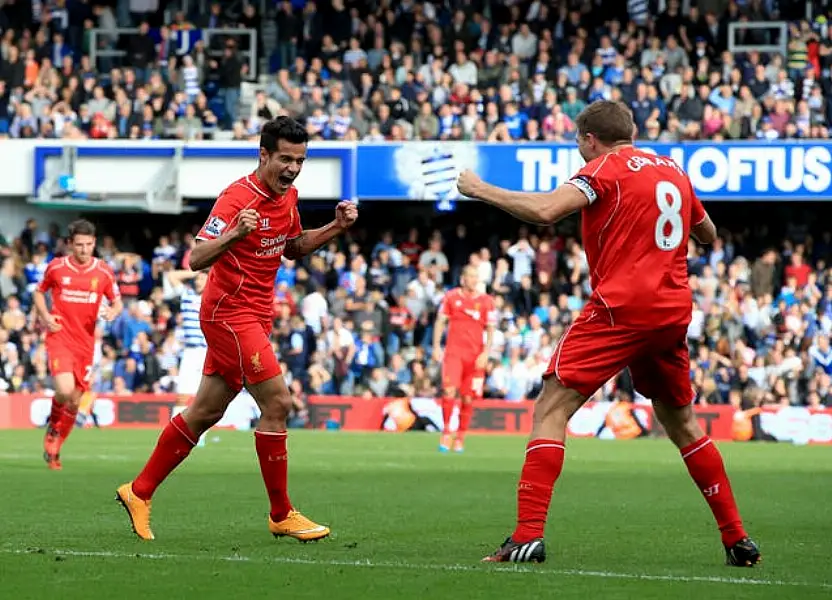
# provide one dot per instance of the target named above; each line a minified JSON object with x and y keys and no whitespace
{"x":76,"y":283}
{"x":254,"y":223}
{"x":638,"y":210}
{"x":471,"y":317}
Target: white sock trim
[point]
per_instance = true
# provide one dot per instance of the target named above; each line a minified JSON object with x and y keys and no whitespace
{"x":538,"y":446}
{"x":697,"y":449}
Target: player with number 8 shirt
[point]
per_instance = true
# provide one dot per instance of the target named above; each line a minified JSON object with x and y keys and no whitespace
{"x":638,"y":209}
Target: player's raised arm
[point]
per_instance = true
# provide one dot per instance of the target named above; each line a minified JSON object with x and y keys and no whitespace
{"x":538,"y":208}
{"x":309,"y":240}
{"x":213,"y":241}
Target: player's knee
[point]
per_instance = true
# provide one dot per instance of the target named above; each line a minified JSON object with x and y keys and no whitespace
{"x":204,"y":415}
{"x":680,"y":423}
{"x":276,"y":408}
{"x":450,"y":392}
{"x":65,"y":391}
{"x":556,"y":402}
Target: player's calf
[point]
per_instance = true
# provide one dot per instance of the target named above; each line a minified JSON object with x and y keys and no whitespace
{"x":707,"y":469}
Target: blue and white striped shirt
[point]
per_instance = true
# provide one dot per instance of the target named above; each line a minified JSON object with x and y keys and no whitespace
{"x":189,"y":307}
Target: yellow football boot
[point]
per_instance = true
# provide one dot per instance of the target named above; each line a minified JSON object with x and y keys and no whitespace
{"x":299,"y":527}
{"x":137,"y":509}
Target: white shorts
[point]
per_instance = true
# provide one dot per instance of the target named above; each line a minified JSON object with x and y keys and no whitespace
{"x":190,"y":370}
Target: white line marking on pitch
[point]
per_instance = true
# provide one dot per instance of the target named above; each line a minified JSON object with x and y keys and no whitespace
{"x":370,"y":564}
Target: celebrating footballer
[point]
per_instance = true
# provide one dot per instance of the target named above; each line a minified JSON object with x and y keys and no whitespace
{"x":638,"y":210}
{"x":253,"y":225}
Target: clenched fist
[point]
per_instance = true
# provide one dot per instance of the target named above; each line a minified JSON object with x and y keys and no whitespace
{"x":467,"y":183}
{"x":247,"y":222}
{"x":346,"y":213}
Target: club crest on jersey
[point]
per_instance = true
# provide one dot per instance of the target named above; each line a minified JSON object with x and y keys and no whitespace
{"x":215,"y":226}
{"x":256,"y":365}
{"x":94,"y":283}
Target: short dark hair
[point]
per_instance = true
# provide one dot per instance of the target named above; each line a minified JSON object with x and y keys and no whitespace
{"x":81,"y":227}
{"x":282,"y":128}
{"x":609,"y":121}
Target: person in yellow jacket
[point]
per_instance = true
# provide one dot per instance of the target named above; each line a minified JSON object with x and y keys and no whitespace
{"x":400,"y":411}
{"x":622,"y":421}
{"x":85,"y":408}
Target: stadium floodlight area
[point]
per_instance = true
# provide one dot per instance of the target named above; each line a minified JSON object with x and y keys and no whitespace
{"x":104,"y":45}
{"x":775,"y":32}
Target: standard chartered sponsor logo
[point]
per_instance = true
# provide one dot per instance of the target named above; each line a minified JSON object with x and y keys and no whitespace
{"x":271,"y":246}
{"x":730,"y":169}
{"x":78,"y":296}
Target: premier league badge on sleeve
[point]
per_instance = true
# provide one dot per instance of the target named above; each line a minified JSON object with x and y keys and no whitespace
{"x":215,"y":227}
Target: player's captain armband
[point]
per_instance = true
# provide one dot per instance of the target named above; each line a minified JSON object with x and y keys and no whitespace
{"x":582,"y":183}
{"x":215,"y":226}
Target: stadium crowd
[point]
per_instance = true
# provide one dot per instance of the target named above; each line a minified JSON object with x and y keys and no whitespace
{"x":399,"y":69}
{"x":357,"y":318}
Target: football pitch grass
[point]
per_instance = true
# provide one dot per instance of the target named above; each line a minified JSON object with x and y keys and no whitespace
{"x":407,"y":521}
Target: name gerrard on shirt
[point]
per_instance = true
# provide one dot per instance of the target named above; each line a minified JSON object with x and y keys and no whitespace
{"x":639,"y":213}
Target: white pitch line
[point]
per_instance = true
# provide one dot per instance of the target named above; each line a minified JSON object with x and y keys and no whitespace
{"x":371,"y":564}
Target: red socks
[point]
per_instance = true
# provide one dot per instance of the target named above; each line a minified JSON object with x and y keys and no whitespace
{"x":61,"y":423}
{"x":274,"y":466}
{"x":466,"y":411}
{"x":447,"y":413}
{"x":174,"y":446}
{"x":55,"y":417}
{"x":544,"y":462}
{"x":708,"y":472}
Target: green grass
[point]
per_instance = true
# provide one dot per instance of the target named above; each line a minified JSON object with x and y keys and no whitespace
{"x":626,"y":522}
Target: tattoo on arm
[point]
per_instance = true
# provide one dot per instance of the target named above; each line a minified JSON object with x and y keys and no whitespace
{"x":295,"y":248}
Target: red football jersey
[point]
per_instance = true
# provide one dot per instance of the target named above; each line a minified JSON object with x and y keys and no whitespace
{"x":635,"y":231}
{"x":76,"y":292}
{"x":468,"y":317}
{"x":240,"y":284}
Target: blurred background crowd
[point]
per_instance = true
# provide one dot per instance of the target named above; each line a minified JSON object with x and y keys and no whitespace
{"x":401,"y":69}
{"x":356,"y":318}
